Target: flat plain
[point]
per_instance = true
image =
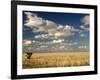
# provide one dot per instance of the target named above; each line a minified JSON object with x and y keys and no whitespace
{"x":56,"y":59}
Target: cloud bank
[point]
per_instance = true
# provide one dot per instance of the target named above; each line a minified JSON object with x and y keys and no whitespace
{"x":38,"y":24}
{"x":53,"y":36}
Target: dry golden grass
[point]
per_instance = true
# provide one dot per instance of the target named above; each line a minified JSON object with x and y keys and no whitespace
{"x":58,"y":59}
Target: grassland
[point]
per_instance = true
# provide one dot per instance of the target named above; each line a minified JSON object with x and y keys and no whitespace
{"x":57,"y":59}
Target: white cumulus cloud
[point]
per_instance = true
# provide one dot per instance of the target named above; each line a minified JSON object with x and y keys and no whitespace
{"x":27,"y":42}
{"x":58,"y":41}
{"x":85,"y":23}
{"x":82,"y":35}
{"x":82,"y":47}
{"x":39,"y":24}
{"x":86,"y":20}
{"x":33,"y":20}
{"x":84,"y":28}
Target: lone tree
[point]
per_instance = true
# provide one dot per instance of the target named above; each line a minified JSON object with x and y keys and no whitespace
{"x":29,"y":54}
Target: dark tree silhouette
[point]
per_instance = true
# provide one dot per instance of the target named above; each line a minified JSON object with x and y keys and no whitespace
{"x":29,"y":54}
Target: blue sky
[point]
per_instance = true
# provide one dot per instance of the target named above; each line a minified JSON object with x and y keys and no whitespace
{"x":55,"y":31}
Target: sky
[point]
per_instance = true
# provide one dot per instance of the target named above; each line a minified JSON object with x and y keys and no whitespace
{"x":55,"y":31}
